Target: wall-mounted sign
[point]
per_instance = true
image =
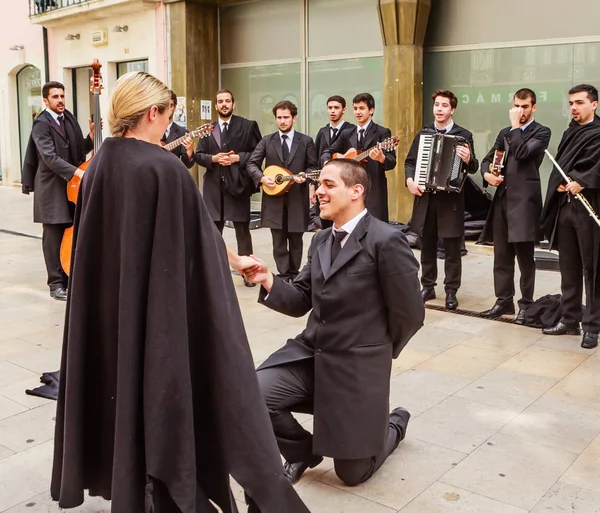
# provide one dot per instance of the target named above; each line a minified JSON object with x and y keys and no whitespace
{"x":205,"y":106}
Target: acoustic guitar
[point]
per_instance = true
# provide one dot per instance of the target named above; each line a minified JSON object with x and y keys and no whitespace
{"x":73,"y":185}
{"x":497,"y":164}
{"x":352,"y":153}
{"x":200,"y":132}
{"x":284,"y":179}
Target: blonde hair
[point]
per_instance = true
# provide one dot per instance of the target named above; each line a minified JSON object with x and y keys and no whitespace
{"x":134,"y":94}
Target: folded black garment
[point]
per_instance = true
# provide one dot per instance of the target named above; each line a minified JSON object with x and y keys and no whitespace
{"x":46,"y":391}
{"x":50,"y":377}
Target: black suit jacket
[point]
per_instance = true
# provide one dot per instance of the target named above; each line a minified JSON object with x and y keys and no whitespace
{"x":364,"y":308}
{"x":244,"y":135}
{"x":450,"y":206}
{"x":323,"y":139}
{"x":303,"y":158}
{"x":377,"y":201}
{"x":521,"y":181}
{"x":180,"y":152}
{"x":50,"y":162}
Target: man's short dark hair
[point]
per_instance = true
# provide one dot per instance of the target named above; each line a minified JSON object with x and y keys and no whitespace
{"x":337,"y":98}
{"x":174,"y":97}
{"x":445,"y":93}
{"x":366,"y":98}
{"x":221,"y":91}
{"x":523,"y":94}
{"x":591,"y":91}
{"x":51,"y":85}
{"x":352,"y":173}
{"x":285,"y":105}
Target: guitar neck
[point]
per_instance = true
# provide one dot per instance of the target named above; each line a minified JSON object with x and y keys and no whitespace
{"x":311,"y":174}
{"x":365,"y":153}
{"x":173,"y":144}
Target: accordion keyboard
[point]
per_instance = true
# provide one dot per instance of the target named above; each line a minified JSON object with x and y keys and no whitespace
{"x":423,"y":159}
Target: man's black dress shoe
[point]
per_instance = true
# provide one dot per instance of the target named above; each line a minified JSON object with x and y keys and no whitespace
{"x":294,"y":471}
{"x":590,"y":340}
{"x":427,"y":294}
{"x":561,"y":329}
{"x":59,"y":294}
{"x":248,"y":283}
{"x":520,"y":318}
{"x":498,"y":310}
{"x":451,"y":301}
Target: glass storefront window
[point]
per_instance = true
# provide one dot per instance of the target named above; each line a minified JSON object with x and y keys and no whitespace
{"x":29,"y":94}
{"x":126,"y":67}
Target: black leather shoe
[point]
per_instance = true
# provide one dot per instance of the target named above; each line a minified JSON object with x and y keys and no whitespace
{"x":520,"y":318}
{"x":294,"y":471}
{"x":451,"y":301}
{"x":561,"y":329}
{"x":498,"y":310}
{"x":590,"y":340}
{"x":248,"y":283}
{"x":427,"y":294}
{"x":59,"y":294}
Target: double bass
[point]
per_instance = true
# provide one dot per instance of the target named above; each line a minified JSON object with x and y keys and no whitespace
{"x":66,"y":246}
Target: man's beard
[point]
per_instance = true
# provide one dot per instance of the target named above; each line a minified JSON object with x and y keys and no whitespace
{"x":226,"y":114}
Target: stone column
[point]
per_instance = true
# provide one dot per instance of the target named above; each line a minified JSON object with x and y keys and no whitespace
{"x":403,"y":25}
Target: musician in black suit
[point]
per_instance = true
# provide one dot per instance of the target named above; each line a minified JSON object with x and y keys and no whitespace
{"x":513,"y":222}
{"x":286,"y":215}
{"x":440,"y":214}
{"x":56,"y":148}
{"x":227,"y":184}
{"x":327,"y":135}
{"x":362,"y":137}
{"x":361,"y":287}
{"x":185,"y":151}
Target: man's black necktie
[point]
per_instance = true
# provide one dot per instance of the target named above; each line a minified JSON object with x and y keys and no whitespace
{"x":164,"y":137}
{"x":334,"y":132}
{"x":61,"y":125}
{"x":441,"y":130}
{"x":338,"y":237}
{"x":285,"y":150}
{"x":361,"y":138}
{"x":225,"y":136}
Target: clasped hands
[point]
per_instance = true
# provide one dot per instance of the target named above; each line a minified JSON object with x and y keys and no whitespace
{"x":252,"y":268}
{"x":226,"y":159}
{"x":573,"y":187}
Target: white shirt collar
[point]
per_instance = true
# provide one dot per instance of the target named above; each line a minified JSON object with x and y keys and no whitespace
{"x":365,"y":128}
{"x":221,"y":122}
{"x":525,"y":126}
{"x":290,"y":135}
{"x":338,"y":128}
{"x":350,"y":226}
{"x":449,"y":127}
{"x":53,"y":114}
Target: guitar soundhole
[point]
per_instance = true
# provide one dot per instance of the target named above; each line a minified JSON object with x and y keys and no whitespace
{"x":279,"y":179}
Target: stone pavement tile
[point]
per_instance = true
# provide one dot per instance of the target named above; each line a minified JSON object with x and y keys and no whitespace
{"x":5,"y":452}
{"x":547,"y":363}
{"x":588,"y":372}
{"x":19,"y":329}
{"x":16,"y":348}
{"x":466,"y":361}
{"x":585,"y":472}
{"x":43,"y":503}
{"x":508,"y":390}
{"x":9,"y":373}
{"x":443,"y":498}
{"x":568,"y":497}
{"x":412,"y":467}
{"x":504,"y":337}
{"x":16,"y":392}
{"x":556,"y":423}
{"x":45,"y":360}
{"x":25,"y":475}
{"x":418,"y":390}
{"x":459,"y":424}
{"x":511,"y":470}
{"x":573,"y":389}
{"x":565,"y":343}
{"x":408,"y":359}
{"x":28,"y":429}
{"x":48,"y":338}
{"x":457,"y":322}
{"x":8,"y":408}
{"x":433,"y":339}
{"x":321,"y":498}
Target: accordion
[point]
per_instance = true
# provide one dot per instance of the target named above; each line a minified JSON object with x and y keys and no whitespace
{"x":439,"y":168}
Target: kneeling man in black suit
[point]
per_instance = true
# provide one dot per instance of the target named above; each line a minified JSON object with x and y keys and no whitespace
{"x":361,"y":284}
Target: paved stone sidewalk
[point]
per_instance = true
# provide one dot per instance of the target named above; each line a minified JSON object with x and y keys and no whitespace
{"x":504,"y":419}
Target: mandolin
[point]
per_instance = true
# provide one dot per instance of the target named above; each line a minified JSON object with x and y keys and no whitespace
{"x":203,"y":131}
{"x":73,"y":185}
{"x":284,"y":179}
{"x":353,"y":154}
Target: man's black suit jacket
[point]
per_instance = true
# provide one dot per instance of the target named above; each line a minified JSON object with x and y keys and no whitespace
{"x":302,"y":158}
{"x":364,"y":308}
{"x":450,"y":206}
{"x":377,"y":200}
{"x":243,"y":136}
{"x":180,"y":151}
{"x":525,"y":153}
{"x":50,"y":162}
{"x":323,"y":139}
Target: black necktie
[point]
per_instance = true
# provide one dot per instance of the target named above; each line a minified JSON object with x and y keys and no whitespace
{"x":224,"y":136}
{"x":164,"y":137}
{"x":334,"y":132}
{"x":361,"y":138}
{"x":61,"y":119}
{"x":285,"y":150}
{"x":338,"y":237}
{"x":441,"y":131}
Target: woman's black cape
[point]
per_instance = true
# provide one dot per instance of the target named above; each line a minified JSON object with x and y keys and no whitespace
{"x":159,"y":401}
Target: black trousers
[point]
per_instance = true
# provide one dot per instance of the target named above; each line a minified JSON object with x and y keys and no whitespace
{"x":242,"y":236}
{"x":287,"y":247}
{"x":429,"y":243}
{"x":51,"y":239}
{"x":576,"y":262}
{"x":504,"y":261}
{"x":290,"y":388}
